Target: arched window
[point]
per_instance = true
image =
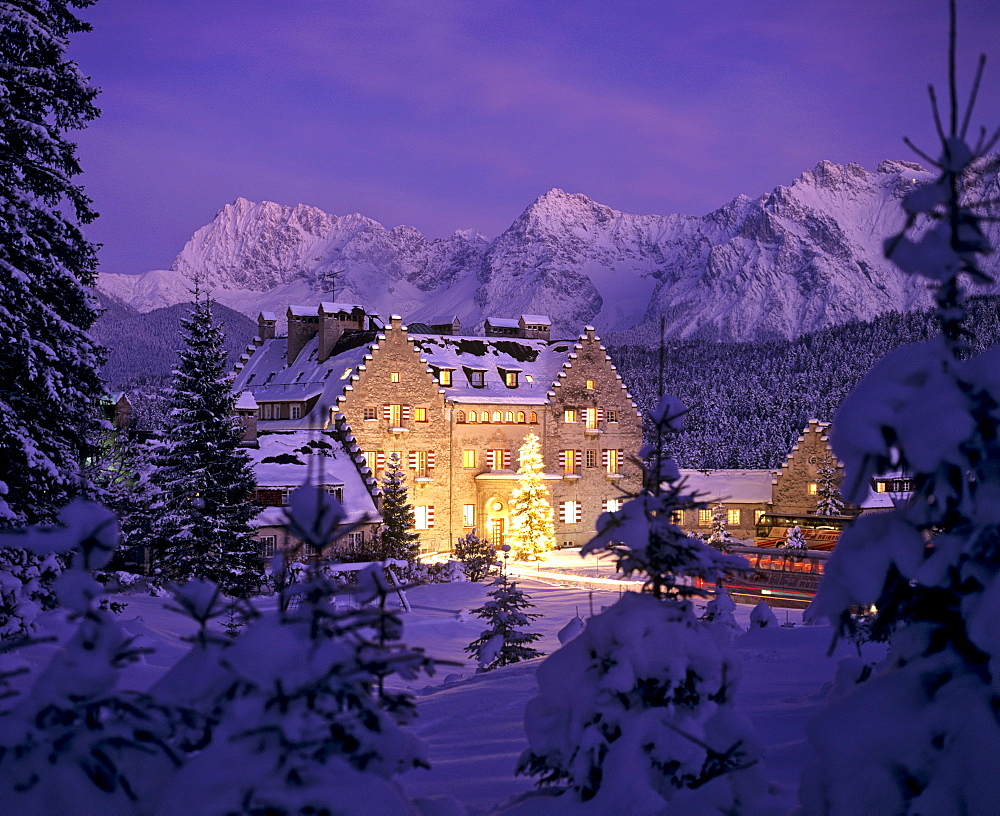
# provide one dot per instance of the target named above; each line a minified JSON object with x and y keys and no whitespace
{"x":520,"y":417}
{"x":484,"y":416}
{"x":496,"y":416}
{"x":534,"y":418}
{"x":508,"y":416}
{"x":460,"y":419}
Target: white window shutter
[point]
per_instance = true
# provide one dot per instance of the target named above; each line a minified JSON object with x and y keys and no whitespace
{"x":430,"y":459}
{"x":406,"y":413}
{"x":489,"y":460}
{"x":506,"y":460}
{"x":562,"y":512}
{"x":430,"y":516}
{"x":380,"y":460}
{"x":604,"y":459}
{"x":562,"y":460}
{"x":579,"y":512}
{"x":386,"y":412}
{"x":600,"y":415}
{"x":413,"y":460}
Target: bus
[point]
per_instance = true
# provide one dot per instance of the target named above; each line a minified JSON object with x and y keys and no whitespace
{"x":821,"y":532}
{"x":779,"y":576}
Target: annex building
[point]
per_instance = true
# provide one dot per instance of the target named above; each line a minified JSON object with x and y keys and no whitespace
{"x":454,"y":407}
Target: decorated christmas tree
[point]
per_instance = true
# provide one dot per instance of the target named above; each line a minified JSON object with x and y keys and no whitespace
{"x":532,"y":526}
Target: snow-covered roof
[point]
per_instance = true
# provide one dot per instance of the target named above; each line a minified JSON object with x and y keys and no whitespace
{"x":288,"y":459}
{"x":732,"y":486}
{"x":267,"y":316}
{"x":539,"y":360}
{"x":503,"y":322}
{"x":333,"y":307}
{"x":303,"y":311}
{"x":536,"y":320}
{"x":246,"y":402}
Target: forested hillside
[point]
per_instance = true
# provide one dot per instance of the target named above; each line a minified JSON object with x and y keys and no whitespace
{"x":749,"y":401}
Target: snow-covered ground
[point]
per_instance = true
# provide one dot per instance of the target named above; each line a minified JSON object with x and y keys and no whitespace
{"x":472,"y":724}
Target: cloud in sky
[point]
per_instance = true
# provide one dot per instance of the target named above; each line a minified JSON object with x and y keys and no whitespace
{"x":446,"y":114}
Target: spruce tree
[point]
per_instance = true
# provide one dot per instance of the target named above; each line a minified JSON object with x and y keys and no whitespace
{"x":202,"y":478}
{"x":505,"y":641}
{"x":828,"y":501}
{"x":532,"y":522}
{"x":48,"y":361}
{"x":396,"y":539}
{"x":477,"y":555}
{"x":720,"y":537}
{"x":794,"y":539}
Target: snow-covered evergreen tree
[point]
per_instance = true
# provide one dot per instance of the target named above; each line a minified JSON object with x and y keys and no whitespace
{"x":636,"y":713}
{"x":477,"y":556}
{"x":48,"y":362}
{"x":794,"y":539}
{"x":202,"y":479}
{"x":720,"y":537}
{"x":828,"y":500}
{"x":505,"y":641}
{"x":921,"y":734}
{"x":396,"y":538}
{"x":532,"y":522}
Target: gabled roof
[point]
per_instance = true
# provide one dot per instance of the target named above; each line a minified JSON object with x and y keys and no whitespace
{"x":536,"y":320}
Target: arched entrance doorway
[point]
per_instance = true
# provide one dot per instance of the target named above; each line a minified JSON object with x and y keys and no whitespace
{"x":497,"y":521}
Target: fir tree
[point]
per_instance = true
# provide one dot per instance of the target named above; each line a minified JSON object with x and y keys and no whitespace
{"x":505,"y":641}
{"x":202,"y":478}
{"x":477,"y":555}
{"x":650,"y":725}
{"x":396,"y":539}
{"x":48,"y":361}
{"x":794,"y":539}
{"x":929,"y":565}
{"x":532,"y":522}
{"x":720,"y":537}
{"x":828,"y":501}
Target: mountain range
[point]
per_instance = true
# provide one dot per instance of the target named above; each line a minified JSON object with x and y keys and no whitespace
{"x":797,"y":259}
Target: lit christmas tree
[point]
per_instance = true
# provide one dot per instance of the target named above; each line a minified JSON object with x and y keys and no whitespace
{"x":532,"y":527}
{"x":828,"y":501}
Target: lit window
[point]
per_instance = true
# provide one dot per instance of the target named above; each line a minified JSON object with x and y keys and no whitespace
{"x":613,"y":461}
{"x":468,"y":515}
{"x":394,"y":376}
{"x":529,"y":378}
{"x":496,"y":457}
{"x":591,"y":459}
{"x":346,"y":374}
{"x":419,"y":414}
{"x":704,"y":518}
{"x":533,"y":418}
{"x":520,"y":417}
{"x":733,"y":516}
{"x":813,"y":488}
{"x":591,"y":385}
{"x":590,"y":418}
{"x":469,"y":458}
{"x":460,"y":418}
{"x":419,"y":462}
{"x":614,"y":505}
{"x":570,"y":463}
{"x":369,"y":459}
{"x":497,"y":417}
{"x":484,"y":416}
{"x":444,"y":376}
{"x":508,"y":416}
{"x":510,"y":379}
{"x":370,"y":413}
{"x":676,"y":516}
{"x":395,"y":415}
{"x":569,"y":415}
{"x":423,"y":517}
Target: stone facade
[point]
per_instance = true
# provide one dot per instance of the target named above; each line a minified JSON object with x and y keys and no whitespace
{"x":457,"y":410}
{"x":795,"y":485}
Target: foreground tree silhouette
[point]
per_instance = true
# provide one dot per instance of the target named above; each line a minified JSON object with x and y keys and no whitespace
{"x":636,"y":713}
{"x":921,"y":734}
{"x":202,"y":479}
{"x":48,"y":362}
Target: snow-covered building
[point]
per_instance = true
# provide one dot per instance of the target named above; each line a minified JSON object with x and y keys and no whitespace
{"x":746,"y":495}
{"x":283,"y":461}
{"x":456,"y":408}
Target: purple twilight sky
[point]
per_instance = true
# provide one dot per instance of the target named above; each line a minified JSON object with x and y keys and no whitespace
{"x":452,"y":114}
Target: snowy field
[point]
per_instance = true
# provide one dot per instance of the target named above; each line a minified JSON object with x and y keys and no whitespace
{"x":472,"y":724}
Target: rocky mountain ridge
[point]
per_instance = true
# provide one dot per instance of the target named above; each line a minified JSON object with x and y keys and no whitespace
{"x":797,"y":259}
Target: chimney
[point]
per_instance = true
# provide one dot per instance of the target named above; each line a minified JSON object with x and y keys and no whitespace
{"x":246,"y":410}
{"x":303,"y":323}
{"x":334,"y":320}
{"x":266,"y":322}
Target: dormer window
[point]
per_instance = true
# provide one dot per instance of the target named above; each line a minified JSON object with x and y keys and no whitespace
{"x":510,"y":379}
{"x":477,"y":377}
{"x":444,"y":376}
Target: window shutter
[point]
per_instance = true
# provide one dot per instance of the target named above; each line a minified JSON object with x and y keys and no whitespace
{"x":413,"y":460}
{"x":430,"y":516}
{"x":489,"y":460}
{"x":406,"y":413}
{"x":562,"y":460}
{"x":386,"y":412}
{"x":578,"y":462}
{"x":600,"y":415}
{"x":562,"y":512}
{"x":430,"y":459}
{"x":579,"y":512}
{"x":380,"y":460}
{"x":604,"y":505}
{"x":506,"y":460}
{"x":604,"y":459}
